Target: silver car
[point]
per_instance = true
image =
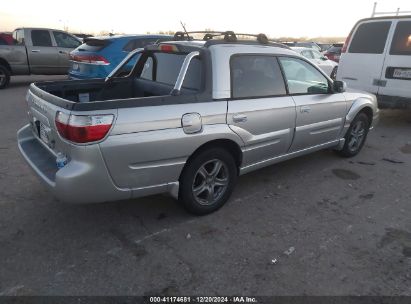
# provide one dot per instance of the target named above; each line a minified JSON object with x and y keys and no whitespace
{"x":188,"y":119}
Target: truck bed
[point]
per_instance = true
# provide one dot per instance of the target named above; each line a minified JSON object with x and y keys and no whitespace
{"x":97,"y":94}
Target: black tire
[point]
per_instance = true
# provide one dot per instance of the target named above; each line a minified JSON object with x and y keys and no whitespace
{"x":356,"y":135}
{"x":333,"y":75}
{"x":217,"y":189}
{"x":4,"y":76}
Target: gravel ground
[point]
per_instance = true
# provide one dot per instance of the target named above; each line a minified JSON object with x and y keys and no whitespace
{"x":315,"y":225}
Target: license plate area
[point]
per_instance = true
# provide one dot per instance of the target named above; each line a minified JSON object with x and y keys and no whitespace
{"x":398,"y":73}
{"x":44,"y":133}
{"x":41,"y":130}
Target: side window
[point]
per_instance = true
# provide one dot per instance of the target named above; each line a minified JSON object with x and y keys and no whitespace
{"x":3,"y":41}
{"x":18,"y":36}
{"x":302,"y":77}
{"x":147,"y":72}
{"x":41,"y":38}
{"x":401,"y":43}
{"x":370,"y":38}
{"x":65,"y":41}
{"x":256,"y":76}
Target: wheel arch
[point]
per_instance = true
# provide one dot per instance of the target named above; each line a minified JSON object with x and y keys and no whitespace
{"x":361,"y":105}
{"x":227,"y":144}
{"x":5,"y":64}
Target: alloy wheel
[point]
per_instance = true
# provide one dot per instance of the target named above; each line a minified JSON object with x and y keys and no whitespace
{"x":210,"y":182}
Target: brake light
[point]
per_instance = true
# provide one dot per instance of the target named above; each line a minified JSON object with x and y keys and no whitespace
{"x":168,"y":48}
{"x":346,"y":43}
{"x":91,"y":59}
{"x":83,"y":128}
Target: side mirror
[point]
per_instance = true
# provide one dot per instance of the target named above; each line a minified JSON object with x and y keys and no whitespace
{"x":324,"y":58}
{"x":339,"y":86}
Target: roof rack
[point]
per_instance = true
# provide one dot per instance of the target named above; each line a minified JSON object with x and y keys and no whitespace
{"x":227,"y":37}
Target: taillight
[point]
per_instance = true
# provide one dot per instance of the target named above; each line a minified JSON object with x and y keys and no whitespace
{"x":346,"y":43}
{"x":83,"y":128}
{"x":91,"y":59}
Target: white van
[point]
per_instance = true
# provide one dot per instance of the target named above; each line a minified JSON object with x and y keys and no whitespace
{"x":376,"y":58}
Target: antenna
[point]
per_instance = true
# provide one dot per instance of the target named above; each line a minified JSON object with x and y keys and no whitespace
{"x":185,"y":31}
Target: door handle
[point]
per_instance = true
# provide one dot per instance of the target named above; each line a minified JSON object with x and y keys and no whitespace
{"x":62,"y":52}
{"x":35,"y":51}
{"x":239,"y":118}
{"x":305,"y":109}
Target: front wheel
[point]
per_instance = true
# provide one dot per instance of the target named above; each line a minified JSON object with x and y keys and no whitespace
{"x":356,"y":135}
{"x":4,"y":76}
{"x":207,"y":181}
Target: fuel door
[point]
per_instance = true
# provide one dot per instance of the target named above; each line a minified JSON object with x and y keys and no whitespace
{"x":191,"y":123}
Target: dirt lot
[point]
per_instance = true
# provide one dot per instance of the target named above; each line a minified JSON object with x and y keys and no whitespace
{"x":316,"y":225}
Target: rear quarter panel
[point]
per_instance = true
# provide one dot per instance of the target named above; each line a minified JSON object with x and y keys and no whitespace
{"x":148,"y":147}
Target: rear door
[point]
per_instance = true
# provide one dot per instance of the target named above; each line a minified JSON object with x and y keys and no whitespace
{"x":65,"y":44}
{"x":362,"y":64}
{"x":319,"y":112}
{"x":260,"y":111}
{"x":396,"y":75}
{"x":42,"y":54}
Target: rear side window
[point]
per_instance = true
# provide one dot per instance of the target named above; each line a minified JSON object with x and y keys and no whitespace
{"x":65,"y":41}
{"x":401,"y":43}
{"x":94,"y":45}
{"x":3,"y":41}
{"x":370,"y":38}
{"x":256,"y":76}
{"x":41,"y":38}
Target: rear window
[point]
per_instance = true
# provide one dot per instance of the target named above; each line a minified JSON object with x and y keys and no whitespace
{"x":168,"y":68}
{"x":94,"y":45}
{"x":140,"y":43}
{"x":370,"y":38}
{"x":401,"y":43}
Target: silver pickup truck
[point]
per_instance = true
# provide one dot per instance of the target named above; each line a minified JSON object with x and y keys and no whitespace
{"x":36,"y":51}
{"x":190,"y":117}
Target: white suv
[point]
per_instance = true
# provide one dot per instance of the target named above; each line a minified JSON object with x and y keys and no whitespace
{"x":376,"y":58}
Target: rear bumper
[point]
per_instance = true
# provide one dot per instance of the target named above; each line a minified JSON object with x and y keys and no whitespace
{"x":84,"y":179}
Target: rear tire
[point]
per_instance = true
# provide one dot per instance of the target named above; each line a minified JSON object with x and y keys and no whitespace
{"x":356,"y":135}
{"x":207,"y":181}
{"x":4,"y":76}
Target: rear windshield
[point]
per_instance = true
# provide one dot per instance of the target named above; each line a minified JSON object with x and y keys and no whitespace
{"x":168,"y":67}
{"x":94,"y":45}
{"x":370,"y":38}
{"x":401,"y":43}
